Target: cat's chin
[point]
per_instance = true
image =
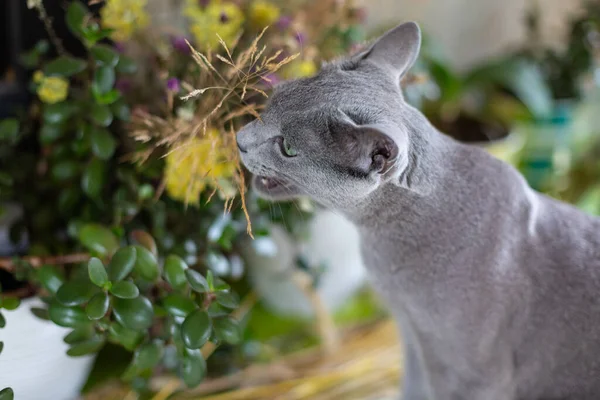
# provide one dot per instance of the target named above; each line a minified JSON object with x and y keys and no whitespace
{"x":274,"y":188}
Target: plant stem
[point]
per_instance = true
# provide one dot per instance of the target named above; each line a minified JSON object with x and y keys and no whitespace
{"x":43,"y":15}
{"x":8,"y":263}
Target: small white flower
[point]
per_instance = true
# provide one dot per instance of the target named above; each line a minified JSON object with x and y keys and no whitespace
{"x":34,"y":3}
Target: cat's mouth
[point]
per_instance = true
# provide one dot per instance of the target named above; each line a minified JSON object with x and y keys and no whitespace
{"x":273,"y":187}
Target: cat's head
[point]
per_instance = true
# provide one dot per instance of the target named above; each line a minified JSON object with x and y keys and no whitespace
{"x":340,"y":135}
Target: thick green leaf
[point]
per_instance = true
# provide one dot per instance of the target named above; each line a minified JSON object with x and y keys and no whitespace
{"x":98,"y":306}
{"x":104,"y":55}
{"x":174,"y":273}
{"x":147,"y":356}
{"x":104,"y":80}
{"x":107,"y":98}
{"x":197,"y":281}
{"x":68,"y":199}
{"x":125,"y":290}
{"x":59,"y":112}
{"x":10,"y":303}
{"x":227,"y":299}
{"x":136,"y":314}
{"x":1,"y":346}
{"x":193,"y":368}
{"x":126,"y":65}
{"x":50,"y":278}
{"x":179,"y":305}
{"x":227,"y":330}
{"x":122,"y":263}
{"x":121,"y":110}
{"x":76,"y":14}
{"x":98,"y":239}
{"x":65,"y":66}
{"x":128,"y":338}
{"x":7,"y":394}
{"x":145,"y":240}
{"x":49,"y":133}
{"x":92,"y":345}
{"x":2,"y":321}
{"x":92,"y":180}
{"x":9,"y":130}
{"x":68,"y":317}
{"x":65,"y":170}
{"x":97,"y":272}
{"x":76,"y":292}
{"x":103,"y":143}
{"x":41,"y":313}
{"x":146,"y":265}
{"x":101,"y":115}
{"x":196,"y":329}
{"x":80,"y":334}
{"x":215,"y":310}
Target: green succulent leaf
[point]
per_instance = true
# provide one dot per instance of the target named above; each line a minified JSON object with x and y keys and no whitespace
{"x":121,"y":110}
{"x":97,"y":306}
{"x":10,"y":303}
{"x":126,"y":65}
{"x":128,"y":338}
{"x":103,"y":143}
{"x":41,"y":313}
{"x":7,"y":394}
{"x":65,"y":170}
{"x":92,"y":180}
{"x":196,"y":329}
{"x":68,"y":317}
{"x":9,"y":130}
{"x":227,"y":299}
{"x":193,"y":368}
{"x":215,"y":310}
{"x":65,"y":66}
{"x":122,"y":263}
{"x":105,"y":56}
{"x":145,"y":240}
{"x":125,"y":290}
{"x":147,"y":356}
{"x":1,"y":346}
{"x":101,"y":115}
{"x":146,"y":265}
{"x":227,"y":330}
{"x":75,"y":293}
{"x":59,"y":112}
{"x":76,"y":14}
{"x":49,"y":133}
{"x":174,"y":273}
{"x":97,"y":272}
{"x":89,"y":346}
{"x":2,"y":321}
{"x":104,"y":80}
{"x":135,"y":314}
{"x":98,"y":239}
{"x":49,"y":277}
{"x":79,"y":334}
{"x":178,"y":305}
{"x":197,"y":281}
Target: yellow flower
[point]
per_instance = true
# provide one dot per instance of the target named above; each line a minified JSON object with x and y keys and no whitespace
{"x":51,"y":89}
{"x":224,"y":19}
{"x":262,"y":14}
{"x":125,"y":17}
{"x":196,"y":165}
{"x":299,"y":69}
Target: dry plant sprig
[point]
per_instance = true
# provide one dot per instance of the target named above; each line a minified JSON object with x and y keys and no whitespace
{"x":219,"y":93}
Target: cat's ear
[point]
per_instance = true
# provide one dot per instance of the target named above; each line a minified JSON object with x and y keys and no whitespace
{"x":368,"y":149}
{"x":397,"y":50}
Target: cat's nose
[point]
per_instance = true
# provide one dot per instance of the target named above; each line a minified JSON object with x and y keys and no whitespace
{"x":243,"y":139}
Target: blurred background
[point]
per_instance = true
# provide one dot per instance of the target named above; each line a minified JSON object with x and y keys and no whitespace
{"x":134,"y":261}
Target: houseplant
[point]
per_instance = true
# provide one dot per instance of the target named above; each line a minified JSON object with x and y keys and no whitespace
{"x":130,"y":237}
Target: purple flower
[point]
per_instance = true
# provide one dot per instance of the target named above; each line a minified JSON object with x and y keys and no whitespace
{"x":119,"y":47}
{"x":271,"y":80}
{"x":123,"y":85}
{"x":179,"y":44}
{"x":300,"y":38}
{"x":173,"y":85}
{"x":284,"y":22}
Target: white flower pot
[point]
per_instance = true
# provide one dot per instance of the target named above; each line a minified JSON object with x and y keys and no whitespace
{"x":331,"y":241}
{"x":34,"y":360}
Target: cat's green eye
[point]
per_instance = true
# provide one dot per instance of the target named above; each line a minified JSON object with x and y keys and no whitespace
{"x":287,"y":149}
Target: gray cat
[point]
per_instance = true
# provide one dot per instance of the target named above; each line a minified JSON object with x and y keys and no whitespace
{"x":496,"y":288}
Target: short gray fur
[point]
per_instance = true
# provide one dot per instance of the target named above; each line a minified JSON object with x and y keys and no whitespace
{"x":496,"y":288}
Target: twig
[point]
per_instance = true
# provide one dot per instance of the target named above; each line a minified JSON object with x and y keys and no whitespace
{"x":43,"y":15}
{"x":8,"y":263}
